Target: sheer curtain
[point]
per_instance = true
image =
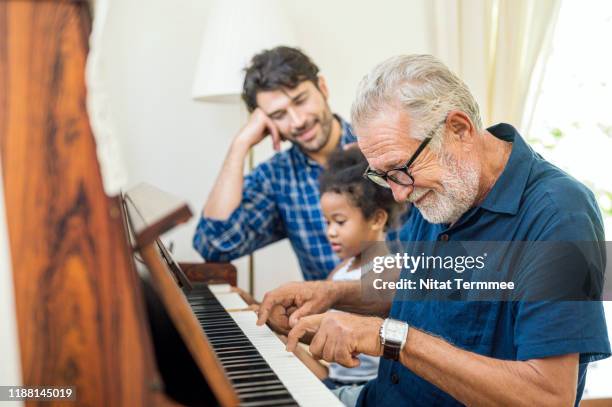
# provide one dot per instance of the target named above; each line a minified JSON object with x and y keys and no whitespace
{"x":497,"y":47}
{"x":110,"y":155}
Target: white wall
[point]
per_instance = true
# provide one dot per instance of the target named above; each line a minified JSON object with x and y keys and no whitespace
{"x":178,"y":144}
{"x":10,"y":369}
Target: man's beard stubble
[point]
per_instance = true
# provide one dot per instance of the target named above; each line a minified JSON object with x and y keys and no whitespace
{"x":326,"y":121}
{"x":460,"y":190}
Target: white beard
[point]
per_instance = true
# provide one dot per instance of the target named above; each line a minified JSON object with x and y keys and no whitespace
{"x":460,"y":185}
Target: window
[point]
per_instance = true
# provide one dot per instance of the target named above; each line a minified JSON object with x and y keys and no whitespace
{"x":572,"y":121}
{"x":571,"y":125}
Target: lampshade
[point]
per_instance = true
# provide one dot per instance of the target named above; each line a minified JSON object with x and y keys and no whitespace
{"x":235,"y":31}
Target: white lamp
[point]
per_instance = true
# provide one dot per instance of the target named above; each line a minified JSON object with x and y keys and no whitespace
{"x":235,"y":31}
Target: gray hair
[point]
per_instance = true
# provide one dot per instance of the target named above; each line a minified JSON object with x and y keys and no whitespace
{"x":422,"y":85}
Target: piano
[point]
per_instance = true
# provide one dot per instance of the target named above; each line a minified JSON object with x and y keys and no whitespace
{"x":100,"y":304}
{"x":241,"y":363}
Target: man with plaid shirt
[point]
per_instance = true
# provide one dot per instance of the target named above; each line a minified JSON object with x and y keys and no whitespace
{"x":287,"y":99}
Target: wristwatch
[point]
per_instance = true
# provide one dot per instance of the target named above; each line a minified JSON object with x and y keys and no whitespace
{"x":393,"y":335}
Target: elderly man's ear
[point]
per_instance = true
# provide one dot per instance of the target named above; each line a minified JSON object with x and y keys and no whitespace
{"x":462,"y":129}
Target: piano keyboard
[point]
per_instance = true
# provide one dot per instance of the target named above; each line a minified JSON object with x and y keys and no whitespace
{"x":254,"y":358}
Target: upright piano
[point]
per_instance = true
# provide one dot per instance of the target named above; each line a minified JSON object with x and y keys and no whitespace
{"x":224,"y":357}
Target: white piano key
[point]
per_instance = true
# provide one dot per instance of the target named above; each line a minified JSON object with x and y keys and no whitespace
{"x":231,"y":300}
{"x":220,"y":288}
{"x":304,"y":386}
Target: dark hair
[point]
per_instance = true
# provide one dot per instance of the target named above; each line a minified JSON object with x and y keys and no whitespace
{"x":280,"y":67}
{"x":344,"y":175}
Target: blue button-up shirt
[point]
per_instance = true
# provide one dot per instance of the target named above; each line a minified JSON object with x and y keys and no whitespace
{"x":531,"y":201}
{"x":280,"y":200}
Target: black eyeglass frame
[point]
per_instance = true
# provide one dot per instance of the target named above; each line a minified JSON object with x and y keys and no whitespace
{"x":373,"y":175}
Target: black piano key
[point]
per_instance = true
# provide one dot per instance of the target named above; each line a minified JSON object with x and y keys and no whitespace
{"x":235,"y":352}
{"x":233,"y":364}
{"x":229,"y":359}
{"x":224,"y":330}
{"x":280,"y":396}
{"x":269,"y":374}
{"x":238,"y":339}
{"x":267,"y":394}
{"x":223,"y":334}
{"x":211,"y":324}
{"x":247,"y":390}
{"x":241,"y":367}
{"x":229,"y":344}
{"x":254,"y":381}
{"x":254,"y":385}
{"x":245,"y":366}
{"x":238,"y":370}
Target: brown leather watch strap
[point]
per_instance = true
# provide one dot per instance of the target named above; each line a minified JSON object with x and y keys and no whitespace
{"x":391,"y":351}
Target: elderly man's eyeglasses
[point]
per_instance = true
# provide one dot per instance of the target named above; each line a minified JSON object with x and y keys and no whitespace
{"x":400,"y":175}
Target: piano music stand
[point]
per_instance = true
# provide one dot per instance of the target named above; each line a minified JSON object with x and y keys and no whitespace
{"x":181,"y":279}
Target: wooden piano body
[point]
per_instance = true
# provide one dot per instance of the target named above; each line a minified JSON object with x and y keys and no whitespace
{"x":86,"y":317}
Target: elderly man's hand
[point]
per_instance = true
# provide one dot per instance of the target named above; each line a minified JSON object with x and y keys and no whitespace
{"x":339,"y":337}
{"x":278,"y":319}
{"x":297,"y":300}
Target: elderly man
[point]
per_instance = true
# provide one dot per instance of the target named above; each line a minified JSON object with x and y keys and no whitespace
{"x":420,"y":130}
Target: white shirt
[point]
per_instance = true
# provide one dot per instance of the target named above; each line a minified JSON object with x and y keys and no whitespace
{"x":368,"y":369}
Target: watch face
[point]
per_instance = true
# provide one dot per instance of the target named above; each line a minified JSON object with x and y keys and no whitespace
{"x":395,"y":331}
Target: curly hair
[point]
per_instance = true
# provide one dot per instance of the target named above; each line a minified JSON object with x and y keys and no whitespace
{"x":344,"y":175}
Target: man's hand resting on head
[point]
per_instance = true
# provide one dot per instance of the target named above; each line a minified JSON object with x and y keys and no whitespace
{"x":258,"y":128}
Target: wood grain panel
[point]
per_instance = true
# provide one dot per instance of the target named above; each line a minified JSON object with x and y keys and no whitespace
{"x":79,"y":307}
{"x":210,"y":273}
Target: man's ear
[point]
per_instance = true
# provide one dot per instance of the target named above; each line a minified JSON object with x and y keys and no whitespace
{"x":459,"y":123}
{"x":322,"y":85}
{"x":462,"y":128}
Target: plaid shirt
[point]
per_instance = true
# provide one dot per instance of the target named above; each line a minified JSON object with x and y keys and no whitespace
{"x":280,"y":199}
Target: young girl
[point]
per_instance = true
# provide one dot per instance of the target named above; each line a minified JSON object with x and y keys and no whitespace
{"x":357,"y":213}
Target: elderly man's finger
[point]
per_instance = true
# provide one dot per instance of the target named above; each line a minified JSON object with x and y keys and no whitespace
{"x":294,"y":336}
{"x":265,"y":308}
{"x":307,"y":324}
{"x":343,"y":357}
{"x":278,"y":320}
{"x":317,"y":345}
{"x":329,"y":349}
{"x":302,"y":311}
